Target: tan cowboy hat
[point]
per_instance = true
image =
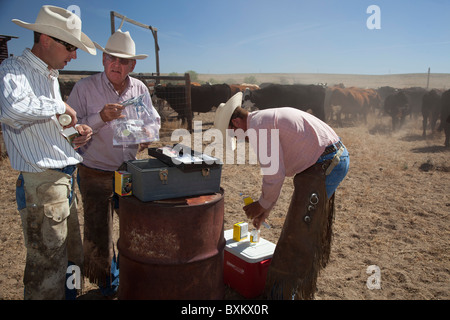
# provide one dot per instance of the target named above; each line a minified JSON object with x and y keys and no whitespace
{"x":121,"y":45}
{"x":61,"y":24}
{"x":223,"y":116}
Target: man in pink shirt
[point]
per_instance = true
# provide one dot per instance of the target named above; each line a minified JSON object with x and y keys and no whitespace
{"x":308,"y":149}
{"x":97,"y":100}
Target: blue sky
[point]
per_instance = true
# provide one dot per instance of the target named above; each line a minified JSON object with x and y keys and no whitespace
{"x":261,"y":36}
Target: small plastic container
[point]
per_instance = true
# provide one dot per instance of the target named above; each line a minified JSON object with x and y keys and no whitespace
{"x":247,"y":200}
{"x":65,"y":119}
{"x":254,"y":236}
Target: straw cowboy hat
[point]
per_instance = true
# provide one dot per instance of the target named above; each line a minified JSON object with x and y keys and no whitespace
{"x":61,"y":24}
{"x":121,"y":45}
{"x":223,"y":116}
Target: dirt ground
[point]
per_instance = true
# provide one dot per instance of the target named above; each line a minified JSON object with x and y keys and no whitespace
{"x":392,"y":211}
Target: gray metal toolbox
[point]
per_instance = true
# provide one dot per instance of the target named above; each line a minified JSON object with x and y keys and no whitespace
{"x":158,"y":179}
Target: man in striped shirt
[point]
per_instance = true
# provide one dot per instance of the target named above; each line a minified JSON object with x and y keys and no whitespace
{"x":30,"y":105}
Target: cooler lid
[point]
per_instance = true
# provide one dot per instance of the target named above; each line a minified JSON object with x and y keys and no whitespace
{"x":247,"y":251}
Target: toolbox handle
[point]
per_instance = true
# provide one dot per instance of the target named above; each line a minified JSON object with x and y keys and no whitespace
{"x":159,"y":154}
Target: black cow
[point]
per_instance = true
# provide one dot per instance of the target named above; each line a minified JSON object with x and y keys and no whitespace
{"x":303,"y":97}
{"x":396,"y":105}
{"x":445,"y":116}
{"x":203,"y":98}
{"x":385,"y":92}
{"x":175,"y":95}
{"x":431,"y":108}
{"x":414,"y":95}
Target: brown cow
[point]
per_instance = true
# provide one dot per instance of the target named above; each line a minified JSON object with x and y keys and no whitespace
{"x":235,"y":88}
{"x":351,"y":102}
{"x":374,"y":100}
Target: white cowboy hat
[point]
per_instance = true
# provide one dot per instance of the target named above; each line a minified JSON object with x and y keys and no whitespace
{"x":121,"y":45}
{"x":61,"y":24}
{"x":223,"y":116}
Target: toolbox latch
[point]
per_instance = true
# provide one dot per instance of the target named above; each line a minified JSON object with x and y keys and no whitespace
{"x":163,"y":175}
{"x":205,"y":172}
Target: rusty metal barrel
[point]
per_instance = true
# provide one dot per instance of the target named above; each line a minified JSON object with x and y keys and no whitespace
{"x":171,"y":249}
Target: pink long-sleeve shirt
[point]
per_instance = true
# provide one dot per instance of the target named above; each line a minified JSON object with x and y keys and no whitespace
{"x":88,"y":97}
{"x":302,"y":140}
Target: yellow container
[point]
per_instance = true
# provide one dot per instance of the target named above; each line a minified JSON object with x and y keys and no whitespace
{"x":240,"y":231}
{"x":248,"y":200}
{"x":123,"y":186}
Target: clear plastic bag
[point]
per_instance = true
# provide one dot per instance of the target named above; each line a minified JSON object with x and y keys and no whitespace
{"x":141,"y":122}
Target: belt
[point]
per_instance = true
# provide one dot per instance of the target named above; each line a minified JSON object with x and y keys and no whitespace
{"x":329,"y":165}
{"x":67,"y":170}
{"x":332,"y":148}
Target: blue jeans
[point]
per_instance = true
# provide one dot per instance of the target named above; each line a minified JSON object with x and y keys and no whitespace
{"x":338,"y":173}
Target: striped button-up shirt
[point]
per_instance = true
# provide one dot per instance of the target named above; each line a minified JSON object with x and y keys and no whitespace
{"x":302,"y":138}
{"x":29,"y":100}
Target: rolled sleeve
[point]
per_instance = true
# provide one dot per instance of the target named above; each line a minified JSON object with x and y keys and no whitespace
{"x":20,"y":105}
{"x":60,"y":107}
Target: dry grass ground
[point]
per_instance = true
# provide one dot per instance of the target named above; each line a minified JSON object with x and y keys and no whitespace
{"x":392,"y":211}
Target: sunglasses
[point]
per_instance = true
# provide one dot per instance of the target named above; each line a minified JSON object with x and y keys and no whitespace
{"x":122,"y":61}
{"x":230,"y":124}
{"x":69,"y":47}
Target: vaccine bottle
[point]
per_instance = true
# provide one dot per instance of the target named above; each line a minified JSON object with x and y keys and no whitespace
{"x":254,"y":236}
{"x":65,"y":119}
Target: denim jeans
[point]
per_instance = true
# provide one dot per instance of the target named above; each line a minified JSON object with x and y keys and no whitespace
{"x":338,"y":173}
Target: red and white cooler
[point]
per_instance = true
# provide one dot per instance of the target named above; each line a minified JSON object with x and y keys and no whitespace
{"x":246,"y":264}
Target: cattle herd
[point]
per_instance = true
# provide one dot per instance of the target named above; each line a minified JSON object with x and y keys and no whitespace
{"x":333,"y":103}
{"x":327,"y":103}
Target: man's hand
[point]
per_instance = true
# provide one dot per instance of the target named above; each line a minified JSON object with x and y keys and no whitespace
{"x":85,"y":135}
{"x":143,"y":146}
{"x":112,"y":111}
{"x":257,"y":213}
{"x":72,"y":113}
